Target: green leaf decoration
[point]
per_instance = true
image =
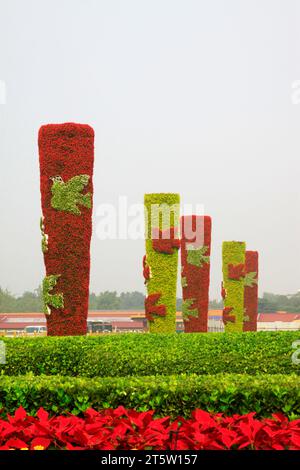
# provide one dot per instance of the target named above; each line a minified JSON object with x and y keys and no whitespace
{"x":44,"y":236}
{"x":67,"y":196}
{"x":249,"y":279}
{"x":56,"y":300}
{"x":186,"y":312}
{"x":184,"y":281}
{"x":196,"y":256}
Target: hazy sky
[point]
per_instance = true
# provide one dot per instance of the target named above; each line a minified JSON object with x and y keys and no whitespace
{"x":187,"y":96}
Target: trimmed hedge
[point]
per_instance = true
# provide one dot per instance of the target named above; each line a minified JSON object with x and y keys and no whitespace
{"x":131,"y":354}
{"x":169,"y":395}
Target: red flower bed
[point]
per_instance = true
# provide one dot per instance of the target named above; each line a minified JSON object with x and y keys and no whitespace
{"x":122,"y":429}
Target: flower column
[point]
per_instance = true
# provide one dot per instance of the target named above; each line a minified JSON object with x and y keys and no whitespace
{"x":161,"y":261}
{"x":251,"y":291}
{"x":66,"y":166}
{"x":195,"y":261}
{"x":233,"y":285}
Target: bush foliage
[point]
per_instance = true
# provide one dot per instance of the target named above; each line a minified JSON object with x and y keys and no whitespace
{"x":140,"y":355}
{"x":168,"y":395}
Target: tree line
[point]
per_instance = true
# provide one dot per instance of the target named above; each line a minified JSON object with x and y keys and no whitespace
{"x":111,"y":300}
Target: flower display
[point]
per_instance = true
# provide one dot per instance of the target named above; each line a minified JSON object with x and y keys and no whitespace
{"x":251,"y":291}
{"x":233,"y":255}
{"x":66,"y":168}
{"x":195,"y":274}
{"x":123,"y":429}
{"x":161,"y":262}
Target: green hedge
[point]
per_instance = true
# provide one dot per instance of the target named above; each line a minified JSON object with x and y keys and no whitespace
{"x":144,"y":354}
{"x":169,"y":395}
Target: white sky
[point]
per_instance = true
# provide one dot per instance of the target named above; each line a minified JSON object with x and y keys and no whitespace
{"x":187,"y":96}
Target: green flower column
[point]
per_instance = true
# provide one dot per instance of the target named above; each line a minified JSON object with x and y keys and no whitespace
{"x":233,"y":255}
{"x":161,"y":260}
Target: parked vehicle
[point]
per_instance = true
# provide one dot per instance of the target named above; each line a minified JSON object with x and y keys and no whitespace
{"x":99,"y":327}
{"x":31,"y":330}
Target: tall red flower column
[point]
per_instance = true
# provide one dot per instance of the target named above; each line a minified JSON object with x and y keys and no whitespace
{"x":251,"y":291}
{"x":195,"y":271}
{"x":66,"y":165}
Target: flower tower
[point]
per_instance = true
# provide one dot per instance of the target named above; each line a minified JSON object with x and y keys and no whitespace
{"x":233,"y":255}
{"x":195,"y":271}
{"x":251,"y":291}
{"x":160,"y":263}
{"x":66,"y":154}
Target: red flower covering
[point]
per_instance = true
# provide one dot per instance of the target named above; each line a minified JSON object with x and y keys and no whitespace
{"x":196,"y":285}
{"x":165,"y":241}
{"x":236,"y":271}
{"x":146,"y":269}
{"x":223,"y":291}
{"x":67,"y":150}
{"x":152,"y":309}
{"x":123,"y":429}
{"x":251,"y":292}
{"x":226,"y":315}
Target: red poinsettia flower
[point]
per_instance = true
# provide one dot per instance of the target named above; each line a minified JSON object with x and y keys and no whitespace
{"x":16,"y":443}
{"x":19,"y":416}
{"x":123,"y":429}
{"x":39,"y":443}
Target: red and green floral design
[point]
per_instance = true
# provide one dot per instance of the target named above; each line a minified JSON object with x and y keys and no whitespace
{"x":251,"y":291}
{"x":66,"y":167}
{"x":233,"y":255}
{"x":195,"y":274}
{"x":161,"y":262}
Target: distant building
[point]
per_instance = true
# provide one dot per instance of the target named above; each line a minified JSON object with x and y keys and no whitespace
{"x":278,"y":321}
{"x":135,"y":321}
